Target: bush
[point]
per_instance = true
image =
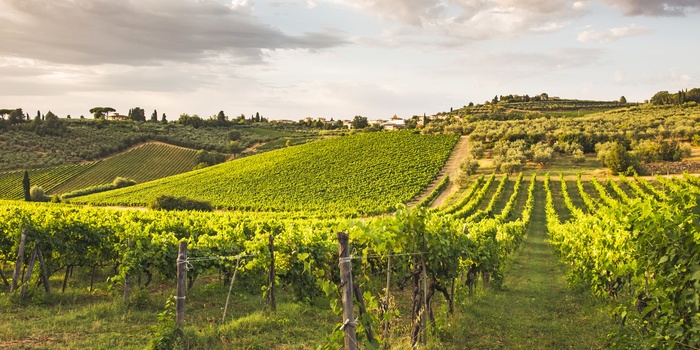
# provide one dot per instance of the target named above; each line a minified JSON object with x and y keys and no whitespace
{"x":37,"y":194}
{"x":476,"y":149}
{"x":209,"y":158}
{"x":577,"y":157}
{"x":120,"y":182}
{"x":615,"y":157}
{"x":542,"y":154}
{"x":166,"y":202}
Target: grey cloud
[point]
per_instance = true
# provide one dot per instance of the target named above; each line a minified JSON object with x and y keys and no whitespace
{"x":142,"y":32}
{"x":655,"y":7}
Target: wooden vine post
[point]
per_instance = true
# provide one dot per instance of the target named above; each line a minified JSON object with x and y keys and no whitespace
{"x":126,"y":277}
{"x":271,"y":276}
{"x":386,"y":302}
{"x":346,"y":286}
{"x":20,"y":259}
{"x":181,"y":284}
{"x":28,"y":275}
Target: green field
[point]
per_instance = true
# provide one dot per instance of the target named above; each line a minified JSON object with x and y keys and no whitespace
{"x":48,"y":179}
{"x":365,"y":173}
{"x":144,"y":163}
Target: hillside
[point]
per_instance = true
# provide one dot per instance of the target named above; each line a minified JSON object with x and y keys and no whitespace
{"x":144,"y":163}
{"x":28,"y":146}
{"x":365,"y":173}
{"x":47,"y":178}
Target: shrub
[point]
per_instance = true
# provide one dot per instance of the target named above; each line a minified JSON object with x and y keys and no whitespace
{"x":120,"y":182}
{"x":615,"y":157}
{"x":577,"y":157}
{"x":166,"y":202}
{"x":37,"y":194}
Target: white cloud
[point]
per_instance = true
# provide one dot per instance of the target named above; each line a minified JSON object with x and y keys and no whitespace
{"x":458,"y":22}
{"x":580,"y":5}
{"x":612,"y":34}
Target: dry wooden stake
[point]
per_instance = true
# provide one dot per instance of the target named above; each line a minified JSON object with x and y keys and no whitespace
{"x":28,"y":276}
{"x":346,"y":287}
{"x":230,"y":287}
{"x":20,"y":259}
{"x":181,"y":284}
{"x":44,"y":274}
{"x":271,"y":276}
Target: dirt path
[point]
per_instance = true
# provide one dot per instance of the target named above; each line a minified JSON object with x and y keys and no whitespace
{"x":451,"y":166}
{"x":535,"y":309}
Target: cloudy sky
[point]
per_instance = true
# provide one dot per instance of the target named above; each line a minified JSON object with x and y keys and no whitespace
{"x":289,"y":59}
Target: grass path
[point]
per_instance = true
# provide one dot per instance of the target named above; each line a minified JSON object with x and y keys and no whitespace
{"x":535,"y":309}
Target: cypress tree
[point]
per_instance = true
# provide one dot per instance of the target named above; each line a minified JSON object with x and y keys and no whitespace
{"x":25,"y":184}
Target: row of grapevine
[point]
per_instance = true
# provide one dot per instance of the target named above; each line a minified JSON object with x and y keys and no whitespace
{"x":306,"y":250}
{"x":644,"y":253}
{"x":467,"y":197}
{"x":436,"y":192}
{"x":145,"y":163}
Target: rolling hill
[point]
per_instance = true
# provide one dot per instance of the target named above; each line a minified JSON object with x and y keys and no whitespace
{"x":364,"y":173}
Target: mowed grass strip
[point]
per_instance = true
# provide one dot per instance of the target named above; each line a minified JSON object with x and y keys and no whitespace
{"x":535,"y":309}
{"x":362,"y":173}
{"x":148,"y":162}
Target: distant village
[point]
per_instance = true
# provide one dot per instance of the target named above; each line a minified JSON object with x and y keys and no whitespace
{"x":394,"y":123}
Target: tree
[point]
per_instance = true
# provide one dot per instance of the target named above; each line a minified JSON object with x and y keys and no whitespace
{"x":26,"y":186}
{"x":615,"y":157}
{"x":235,"y":147}
{"x":577,"y":157}
{"x":623,"y":99}
{"x":221,"y":118}
{"x":137,"y":114}
{"x":542,"y":154}
{"x":476,"y":149}
{"x":163,"y":119}
{"x":194,"y":120}
{"x":662,"y":98}
{"x":467,"y":168}
{"x":359,"y":122}
{"x":234,"y":135}
{"x":101,"y":112}
{"x":154,"y":116}
{"x":16,"y":116}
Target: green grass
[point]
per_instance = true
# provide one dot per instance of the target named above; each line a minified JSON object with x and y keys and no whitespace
{"x":365,"y":173}
{"x":145,"y":163}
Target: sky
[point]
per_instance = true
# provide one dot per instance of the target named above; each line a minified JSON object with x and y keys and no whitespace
{"x":291,"y":59}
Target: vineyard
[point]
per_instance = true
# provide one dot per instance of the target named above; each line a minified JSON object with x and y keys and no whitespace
{"x":145,"y":163}
{"x":622,"y":237}
{"x":471,"y":247}
{"x":48,"y":179}
{"x":362,"y":173}
{"x":81,"y":140}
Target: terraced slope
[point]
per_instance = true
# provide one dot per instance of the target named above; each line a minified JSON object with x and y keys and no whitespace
{"x":361,"y":173}
{"x":145,"y":163}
